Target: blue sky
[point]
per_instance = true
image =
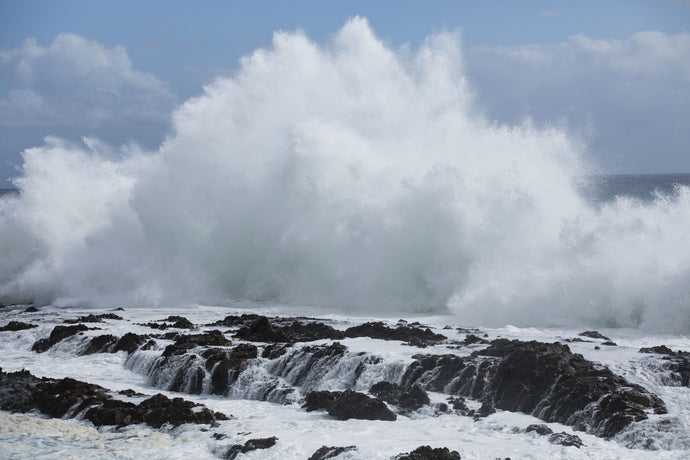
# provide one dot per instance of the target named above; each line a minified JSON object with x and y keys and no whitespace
{"x":174,"y":47}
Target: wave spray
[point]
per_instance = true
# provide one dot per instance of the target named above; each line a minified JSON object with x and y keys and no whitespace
{"x":351,"y":176}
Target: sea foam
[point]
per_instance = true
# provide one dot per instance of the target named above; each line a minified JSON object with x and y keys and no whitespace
{"x":352,"y":176}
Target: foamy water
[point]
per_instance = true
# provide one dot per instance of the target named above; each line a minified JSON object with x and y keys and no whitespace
{"x":351,"y":176}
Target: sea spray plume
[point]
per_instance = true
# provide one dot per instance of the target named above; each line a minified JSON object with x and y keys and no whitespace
{"x":346,"y":175}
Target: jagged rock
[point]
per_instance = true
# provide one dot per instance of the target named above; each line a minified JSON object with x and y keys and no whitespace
{"x":610,"y":343}
{"x":540,"y":429}
{"x":129,"y":393}
{"x":427,"y":453}
{"x":485,"y":410}
{"x":31,"y":310}
{"x":348,"y":404}
{"x":186,"y":342}
{"x":414,"y":335}
{"x":177,"y":322}
{"x":252,"y":444}
{"x":459,"y":405}
{"x":129,"y":342}
{"x":324,"y":452}
{"x":565,"y":439}
{"x":308,"y":332}
{"x":23,"y":392}
{"x":275,"y":350}
{"x":471,"y":339}
{"x":261,"y":330}
{"x":93,"y":318}
{"x":58,"y":334}
{"x":225,"y":367}
{"x":593,"y":335}
{"x":17,"y":326}
{"x":100,"y":344}
{"x":546,"y":380}
{"x":407,"y":399}
{"x":660,"y":349}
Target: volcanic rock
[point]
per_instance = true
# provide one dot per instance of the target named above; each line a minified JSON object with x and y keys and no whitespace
{"x":413,"y":335}
{"x":252,"y":444}
{"x":17,"y":326}
{"x":58,"y":334}
{"x":565,"y":439}
{"x":324,"y":452}
{"x":348,"y":404}
{"x":93,"y":318}
{"x":407,"y":399}
{"x":427,"y":453}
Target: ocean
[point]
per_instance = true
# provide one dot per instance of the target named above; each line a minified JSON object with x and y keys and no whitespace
{"x":342,"y":197}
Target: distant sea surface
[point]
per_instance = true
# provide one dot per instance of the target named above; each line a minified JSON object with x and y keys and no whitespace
{"x":596,"y":189}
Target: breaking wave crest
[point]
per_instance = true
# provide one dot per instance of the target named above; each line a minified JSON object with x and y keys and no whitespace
{"x":352,"y":176}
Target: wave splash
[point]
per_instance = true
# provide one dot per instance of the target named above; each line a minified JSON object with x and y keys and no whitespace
{"x":351,"y":176}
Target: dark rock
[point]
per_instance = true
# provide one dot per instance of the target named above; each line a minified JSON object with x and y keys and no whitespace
{"x":427,"y":453}
{"x":261,"y":330}
{"x":252,"y":444}
{"x":413,"y":335}
{"x":58,"y":334}
{"x":219,"y":436}
{"x":308,"y":332}
{"x":593,"y":335}
{"x":458,"y":404}
{"x":31,"y":310}
{"x":565,"y":439}
{"x":540,"y":429}
{"x":186,"y":342}
{"x":100,"y":344}
{"x":660,"y":349}
{"x":129,"y":342}
{"x":609,"y":343}
{"x":324,"y":452}
{"x":17,"y":326}
{"x":472,"y":339}
{"x":225,"y":367}
{"x":275,"y":350}
{"x":159,"y":410}
{"x":348,"y":404}
{"x":545,"y":380}
{"x":93,"y":318}
{"x":407,"y":399}
{"x":177,"y":322}
{"x":485,"y":410}
{"x":15,"y":391}
{"x":129,"y":393}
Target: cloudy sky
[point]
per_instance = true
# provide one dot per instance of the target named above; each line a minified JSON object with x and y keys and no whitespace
{"x":614,"y":72}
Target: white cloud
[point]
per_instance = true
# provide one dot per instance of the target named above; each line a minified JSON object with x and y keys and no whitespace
{"x":77,"y":82}
{"x":630,"y":97}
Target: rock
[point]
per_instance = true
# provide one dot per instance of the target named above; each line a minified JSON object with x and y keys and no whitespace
{"x":177,"y":322}
{"x":225,"y":367}
{"x":610,"y":343}
{"x":407,"y":399}
{"x":58,"y":334}
{"x":485,"y":410}
{"x":261,"y":330}
{"x":540,"y":429}
{"x":413,"y":335}
{"x":23,"y":392}
{"x":545,"y":380}
{"x":31,"y":310}
{"x":348,"y":404}
{"x":129,"y":342}
{"x":252,"y":444}
{"x":17,"y":326}
{"x":275,"y":350}
{"x":324,"y":452}
{"x":93,"y":318}
{"x":471,"y":339}
{"x":593,"y":335}
{"x":660,"y":349}
{"x":427,"y":453}
{"x":186,"y":342}
{"x":565,"y":439}
{"x":308,"y":332}
{"x":100,"y":344}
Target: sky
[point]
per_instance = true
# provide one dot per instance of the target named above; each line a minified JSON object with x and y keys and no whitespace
{"x":615,"y":73}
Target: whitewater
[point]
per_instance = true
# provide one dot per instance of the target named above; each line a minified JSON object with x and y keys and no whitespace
{"x":352,"y":176}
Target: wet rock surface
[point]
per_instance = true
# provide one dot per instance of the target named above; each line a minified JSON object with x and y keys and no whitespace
{"x":17,"y":326}
{"x":413,"y":335}
{"x":252,"y":444}
{"x":68,"y":398}
{"x":674,"y":366}
{"x":93,"y":318}
{"x":429,"y":453}
{"x":406,"y":399}
{"x":344,"y":405}
{"x":325,"y":452}
{"x":58,"y":334}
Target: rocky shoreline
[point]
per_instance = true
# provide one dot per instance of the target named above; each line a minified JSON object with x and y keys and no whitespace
{"x":286,"y":360}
